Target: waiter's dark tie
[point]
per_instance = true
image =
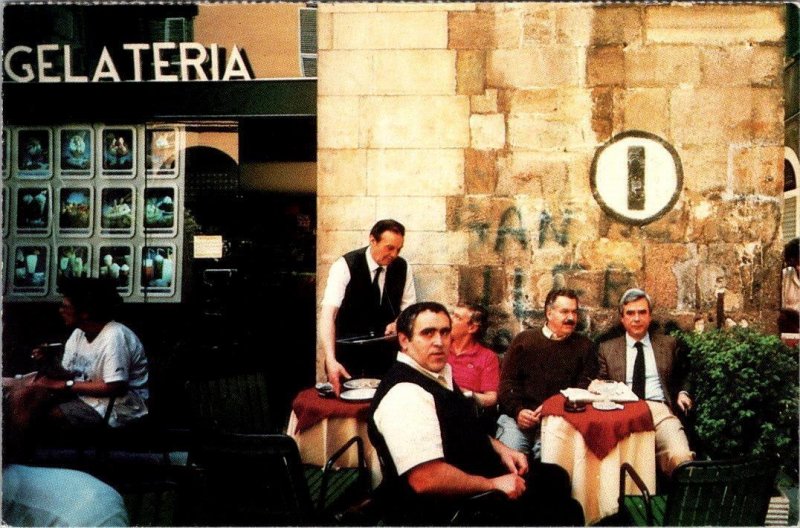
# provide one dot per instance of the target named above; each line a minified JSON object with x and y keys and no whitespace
{"x":638,"y":371}
{"x":376,"y":287}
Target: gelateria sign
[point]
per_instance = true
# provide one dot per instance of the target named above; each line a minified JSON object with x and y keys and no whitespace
{"x":137,"y":62}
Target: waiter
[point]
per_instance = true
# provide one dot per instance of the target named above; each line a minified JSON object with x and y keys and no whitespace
{"x":367,"y":289}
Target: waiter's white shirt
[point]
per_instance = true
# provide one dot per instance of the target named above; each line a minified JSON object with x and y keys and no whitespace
{"x":406,"y":417}
{"x":339,"y":278}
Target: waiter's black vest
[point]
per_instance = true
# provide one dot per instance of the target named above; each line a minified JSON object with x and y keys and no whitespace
{"x":360,"y":313}
{"x":464,"y":442}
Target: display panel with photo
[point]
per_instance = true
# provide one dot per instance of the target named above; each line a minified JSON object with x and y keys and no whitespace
{"x":6,"y":153}
{"x":30,"y":269}
{"x":117,"y":211}
{"x":158,"y":267}
{"x":6,"y":208}
{"x":72,"y":262}
{"x":160,"y":211}
{"x":34,"y":152}
{"x":75,"y":152}
{"x":117,"y":152}
{"x":33,"y":210}
{"x":161,"y":152}
{"x":116,"y":262}
{"x":75,"y":208}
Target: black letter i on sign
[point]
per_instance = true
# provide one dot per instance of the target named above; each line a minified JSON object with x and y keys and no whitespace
{"x":636,"y":178}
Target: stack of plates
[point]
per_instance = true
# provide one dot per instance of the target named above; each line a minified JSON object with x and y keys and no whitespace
{"x":360,"y":389}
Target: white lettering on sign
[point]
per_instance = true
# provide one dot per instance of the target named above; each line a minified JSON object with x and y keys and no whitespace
{"x":636,"y":177}
{"x":170,"y":62}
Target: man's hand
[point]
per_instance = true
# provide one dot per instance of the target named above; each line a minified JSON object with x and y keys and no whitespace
{"x":684,"y":402}
{"x":391,"y":328}
{"x":512,"y":485}
{"x":336,"y":372}
{"x":515,"y":461}
{"x":527,"y":418}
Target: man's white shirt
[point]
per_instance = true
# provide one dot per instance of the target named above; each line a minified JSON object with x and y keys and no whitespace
{"x":339,"y":278}
{"x":406,"y":417}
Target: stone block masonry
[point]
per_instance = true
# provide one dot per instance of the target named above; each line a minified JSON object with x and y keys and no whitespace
{"x":475,"y":125}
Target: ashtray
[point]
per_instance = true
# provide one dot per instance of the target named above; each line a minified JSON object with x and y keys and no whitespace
{"x":574,"y":406}
{"x":325,"y":390}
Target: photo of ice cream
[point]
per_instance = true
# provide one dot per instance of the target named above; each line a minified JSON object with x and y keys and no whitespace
{"x":33,"y":210}
{"x":75,"y":210}
{"x":76,"y":152}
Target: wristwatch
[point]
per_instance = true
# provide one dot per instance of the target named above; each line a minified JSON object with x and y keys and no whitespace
{"x":69,"y":383}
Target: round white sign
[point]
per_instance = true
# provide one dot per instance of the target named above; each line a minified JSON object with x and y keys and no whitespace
{"x":636,"y":177}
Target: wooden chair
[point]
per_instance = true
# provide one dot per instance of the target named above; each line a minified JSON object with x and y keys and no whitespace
{"x":258,"y":480}
{"x":708,"y":493}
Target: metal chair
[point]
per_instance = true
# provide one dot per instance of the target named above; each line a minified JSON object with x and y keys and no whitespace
{"x":258,"y":480}
{"x":708,"y":493}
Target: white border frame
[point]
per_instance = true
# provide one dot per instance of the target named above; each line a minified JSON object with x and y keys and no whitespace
{"x":32,"y":174}
{"x":74,"y":231}
{"x":88,"y":265}
{"x":112,"y":232}
{"x":127,"y":173}
{"x":32,"y":232}
{"x":6,"y":220}
{"x":31,"y":291}
{"x":132,"y":267}
{"x":72,"y":173}
{"x":160,"y":232}
{"x":157,"y":291}
{"x":6,"y":159}
{"x":178,"y":147}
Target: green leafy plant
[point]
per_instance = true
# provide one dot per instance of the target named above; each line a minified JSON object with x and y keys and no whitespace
{"x":745,"y":385}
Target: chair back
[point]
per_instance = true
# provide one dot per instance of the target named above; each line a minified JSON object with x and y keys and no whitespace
{"x":237,"y":403}
{"x":253,"y":480}
{"x":151,"y":503}
{"x":721,"y":493}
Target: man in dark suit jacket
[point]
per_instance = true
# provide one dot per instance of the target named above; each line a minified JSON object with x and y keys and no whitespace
{"x":661,"y":380}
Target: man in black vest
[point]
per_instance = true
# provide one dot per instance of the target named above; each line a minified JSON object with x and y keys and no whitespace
{"x":434,"y":451}
{"x":366,"y":290}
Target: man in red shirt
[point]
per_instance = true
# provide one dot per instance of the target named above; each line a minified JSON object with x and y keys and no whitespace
{"x":476,"y":368}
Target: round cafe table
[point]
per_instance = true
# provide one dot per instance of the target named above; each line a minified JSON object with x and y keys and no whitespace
{"x":592,"y":445}
{"x":320,"y":426}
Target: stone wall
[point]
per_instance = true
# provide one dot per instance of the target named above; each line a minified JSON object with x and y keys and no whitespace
{"x":475,"y":125}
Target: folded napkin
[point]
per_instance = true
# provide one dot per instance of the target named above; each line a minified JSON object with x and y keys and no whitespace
{"x":613,"y":391}
{"x":580,"y":395}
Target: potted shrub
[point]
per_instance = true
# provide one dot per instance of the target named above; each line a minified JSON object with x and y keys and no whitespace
{"x":745,"y":385}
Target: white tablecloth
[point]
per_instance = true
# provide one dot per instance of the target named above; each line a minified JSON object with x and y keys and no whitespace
{"x":595,"y":482}
{"x":321,"y":440}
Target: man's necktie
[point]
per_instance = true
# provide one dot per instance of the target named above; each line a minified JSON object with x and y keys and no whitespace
{"x":376,"y":287}
{"x":638,"y":371}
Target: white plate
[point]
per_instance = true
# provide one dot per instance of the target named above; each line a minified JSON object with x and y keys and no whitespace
{"x":606,"y":405}
{"x":358,"y":394}
{"x":362,"y":383}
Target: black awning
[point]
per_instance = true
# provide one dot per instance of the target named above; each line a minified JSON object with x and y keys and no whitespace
{"x":108,"y":102}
